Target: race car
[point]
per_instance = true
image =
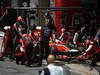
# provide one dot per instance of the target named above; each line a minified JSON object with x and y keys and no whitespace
{"x":62,"y":51}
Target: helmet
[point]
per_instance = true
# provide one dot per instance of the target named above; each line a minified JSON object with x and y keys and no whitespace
{"x":63,"y":29}
{"x":20,"y":18}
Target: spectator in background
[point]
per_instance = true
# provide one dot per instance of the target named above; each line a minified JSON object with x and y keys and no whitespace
{"x":49,"y":20}
{"x":52,"y":69}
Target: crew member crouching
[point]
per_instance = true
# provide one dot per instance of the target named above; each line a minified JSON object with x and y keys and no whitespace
{"x":26,"y":48}
{"x":92,"y":52}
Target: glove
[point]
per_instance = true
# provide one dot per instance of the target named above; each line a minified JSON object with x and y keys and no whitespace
{"x":22,"y":49}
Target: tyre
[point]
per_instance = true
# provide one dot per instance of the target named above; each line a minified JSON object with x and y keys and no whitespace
{"x":3,"y":48}
{"x":53,"y":49}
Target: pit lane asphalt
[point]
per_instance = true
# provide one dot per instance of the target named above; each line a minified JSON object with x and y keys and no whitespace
{"x":8,"y":67}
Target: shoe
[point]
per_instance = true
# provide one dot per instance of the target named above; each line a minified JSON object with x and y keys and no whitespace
{"x":11,"y":57}
{"x":28,"y":65}
{"x":39,"y":64}
{"x":1,"y":59}
{"x":93,"y":64}
{"x":22,"y":63}
{"x":17,"y":63}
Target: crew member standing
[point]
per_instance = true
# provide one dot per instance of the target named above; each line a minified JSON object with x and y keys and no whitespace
{"x":46,"y":33}
{"x":18,"y":29}
{"x":79,"y":37}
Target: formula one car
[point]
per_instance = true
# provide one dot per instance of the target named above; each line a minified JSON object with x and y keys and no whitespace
{"x":63,"y":51}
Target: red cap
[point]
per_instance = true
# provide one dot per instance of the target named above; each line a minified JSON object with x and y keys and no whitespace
{"x":20,"y":18}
